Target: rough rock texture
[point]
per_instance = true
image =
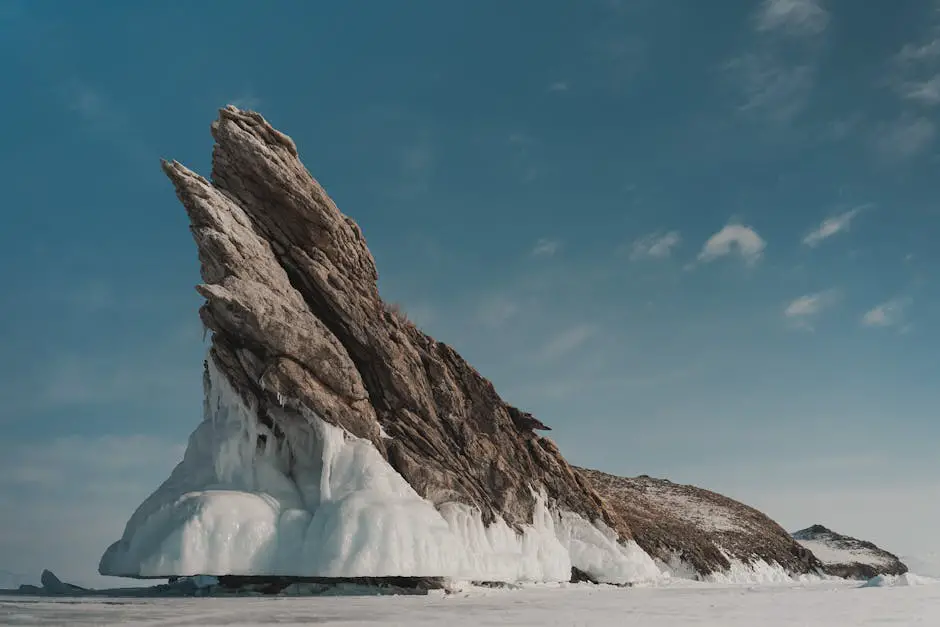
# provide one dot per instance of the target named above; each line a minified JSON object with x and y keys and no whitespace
{"x":297,"y":320}
{"x":844,"y":556}
{"x":700,"y":527}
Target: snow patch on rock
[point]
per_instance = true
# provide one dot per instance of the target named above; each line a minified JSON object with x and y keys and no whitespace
{"x":308,"y":499}
{"x":829,"y":554}
{"x":694,"y":510}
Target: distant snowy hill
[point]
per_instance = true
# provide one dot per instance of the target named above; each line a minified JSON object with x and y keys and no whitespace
{"x":844,"y":556}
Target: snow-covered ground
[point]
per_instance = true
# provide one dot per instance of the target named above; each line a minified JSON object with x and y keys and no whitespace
{"x":823,"y":604}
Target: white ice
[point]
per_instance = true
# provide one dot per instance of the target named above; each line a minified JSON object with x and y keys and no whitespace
{"x":895,"y":581}
{"x":321,"y":502}
{"x":822,"y":604}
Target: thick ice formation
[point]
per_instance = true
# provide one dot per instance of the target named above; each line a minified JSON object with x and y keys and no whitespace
{"x":316,"y":501}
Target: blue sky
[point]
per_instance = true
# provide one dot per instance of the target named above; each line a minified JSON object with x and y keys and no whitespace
{"x":695,"y":238}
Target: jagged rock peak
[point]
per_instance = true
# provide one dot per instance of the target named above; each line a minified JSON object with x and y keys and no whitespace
{"x":845,"y":556}
{"x":293,"y":304}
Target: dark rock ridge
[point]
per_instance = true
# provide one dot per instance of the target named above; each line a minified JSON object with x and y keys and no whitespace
{"x":848,"y":557}
{"x":297,"y":321}
{"x":701,"y":528}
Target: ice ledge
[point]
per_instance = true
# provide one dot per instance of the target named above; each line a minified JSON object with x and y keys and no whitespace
{"x":315,"y":501}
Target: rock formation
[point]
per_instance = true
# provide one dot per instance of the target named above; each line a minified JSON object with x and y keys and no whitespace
{"x":340,"y":441}
{"x":844,"y":556}
{"x":684,"y":526}
{"x":297,"y":322}
{"x":302,"y":337}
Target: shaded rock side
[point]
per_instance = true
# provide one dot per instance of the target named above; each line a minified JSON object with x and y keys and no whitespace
{"x":297,"y":322}
{"x":848,"y":557}
{"x":703,"y":529}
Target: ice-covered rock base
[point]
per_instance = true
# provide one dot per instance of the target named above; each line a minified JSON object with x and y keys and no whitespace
{"x":304,"y":498}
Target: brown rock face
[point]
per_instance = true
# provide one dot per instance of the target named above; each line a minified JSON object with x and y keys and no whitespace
{"x":698,"y":526}
{"x":297,"y":321}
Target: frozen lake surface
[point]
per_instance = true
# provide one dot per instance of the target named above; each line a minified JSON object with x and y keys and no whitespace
{"x":828,"y":604}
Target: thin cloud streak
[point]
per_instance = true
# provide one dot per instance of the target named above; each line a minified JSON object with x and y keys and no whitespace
{"x":656,"y":245}
{"x":802,"y":311}
{"x":794,"y":17}
{"x":831,"y":226}
{"x":887,"y":314}
{"x":546,"y":247}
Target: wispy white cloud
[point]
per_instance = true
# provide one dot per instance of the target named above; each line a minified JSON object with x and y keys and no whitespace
{"x":546,"y":247}
{"x":843,"y":127}
{"x":831,"y":226}
{"x":795,"y":17}
{"x":776,"y":76}
{"x":925,"y":92}
{"x":496,"y":310}
{"x":734,"y":239}
{"x":103,"y":116}
{"x":803,"y":310}
{"x":656,"y":245}
{"x":887,"y":314}
{"x":920,"y":51}
{"x":905,"y":138}
{"x":772,"y":87}
{"x":914,"y":75}
{"x":566,"y":341}
{"x":558,"y":86}
{"x":417,"y":161}
{"x":808,"y":304}
{"x":247,"y":101}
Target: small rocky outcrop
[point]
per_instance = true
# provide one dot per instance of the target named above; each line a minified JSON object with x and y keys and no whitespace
{"x":50,"y":586}
{"x":703,"y":529}
{"x":848,"y":557}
